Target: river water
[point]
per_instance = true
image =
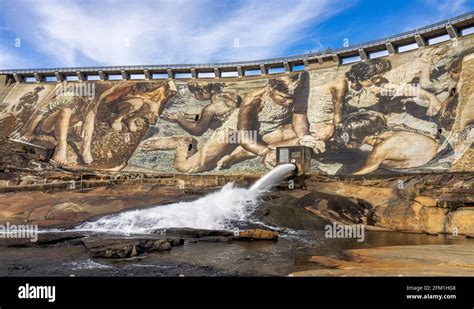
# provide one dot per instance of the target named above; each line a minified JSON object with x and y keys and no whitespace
{"x":230,"y":208}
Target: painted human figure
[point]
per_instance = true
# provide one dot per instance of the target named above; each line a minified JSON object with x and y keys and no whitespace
{"x":272,"y":102}
{"x":138,"y":100}
{"x":55,"y":116}
{"x":222,"y":104}
{"x":67,"y":110}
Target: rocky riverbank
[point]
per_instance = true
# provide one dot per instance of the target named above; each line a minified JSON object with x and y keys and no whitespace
{"x":425,"y":260}
{"x":66,"y":209}
{"x":439,"y":205}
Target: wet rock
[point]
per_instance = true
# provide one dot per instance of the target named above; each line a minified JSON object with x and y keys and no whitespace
{"x":256,"y":234}
{"x":215,"y":239}
{"x":128,"y":247}
{"x":204,"y":235}
{"x":44,"y":239}
{"x":193,"y":233}
{"x":340,"y":210}
{"x":286,"y":211}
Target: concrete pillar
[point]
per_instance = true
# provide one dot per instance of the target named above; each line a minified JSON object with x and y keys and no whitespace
{"x":38,"y":77}
{"x":263,"y":69}
{"x":217,"y":73}
{"x":102,"y":75}
{"x":320,"y":60}
{"x":390,"y":48}
{"x":80,"y":76}
{"x":194,"y":73}
{"x":125,"y":74}
{"x":420,"y":40}
{"x":363,"y":54}
{"x":18,"y":78}
{"x":240,"y":72}
{"x":170,"y":73}
{"x":59,"y":76}
{"x":336,"y":58}
{"x":287,"y":66}
{"x":453,"y":32}
{"x":147,"y":74}
{"x":306,"y":64}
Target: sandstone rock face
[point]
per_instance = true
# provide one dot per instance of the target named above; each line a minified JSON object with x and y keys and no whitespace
{"x":430,"y":204}
{"x":433,"y":220}
{"x":426,"y":201}
{"x":462,"y":221}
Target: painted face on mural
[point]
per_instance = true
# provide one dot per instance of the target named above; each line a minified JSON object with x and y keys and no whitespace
{"x":283,"y":89}
{"x":365,"y":74}
{"x":203,"y":91}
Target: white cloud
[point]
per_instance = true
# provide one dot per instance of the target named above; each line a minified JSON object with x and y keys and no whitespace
{"x":449,"y":8}
{"x":439,"y":10}
{"x":8,"y":59}
{"x":156,"y":32}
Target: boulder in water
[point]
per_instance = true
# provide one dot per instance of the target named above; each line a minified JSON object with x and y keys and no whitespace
{"x":218,"y":235}
{"x":256,"y":234}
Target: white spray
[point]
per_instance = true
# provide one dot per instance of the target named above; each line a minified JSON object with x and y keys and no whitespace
{"x":216,"y":211}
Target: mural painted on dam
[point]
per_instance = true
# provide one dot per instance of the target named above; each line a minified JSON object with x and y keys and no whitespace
{"x":98,"y":125}
{"x":411,"y":112}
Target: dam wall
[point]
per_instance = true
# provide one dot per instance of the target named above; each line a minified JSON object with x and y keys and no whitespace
{"x":410,"y":112}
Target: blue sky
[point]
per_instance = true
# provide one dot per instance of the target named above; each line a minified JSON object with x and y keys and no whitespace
{"x":62,"y":33}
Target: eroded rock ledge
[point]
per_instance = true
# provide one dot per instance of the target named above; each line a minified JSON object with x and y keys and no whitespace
{"x":114,"y":246}
{"x":432,"y":204}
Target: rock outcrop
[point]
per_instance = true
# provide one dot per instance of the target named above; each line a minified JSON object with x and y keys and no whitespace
{"x":431,"y":204}
{"x":256,"y":234}
{"x":219,"y":235}
{"x":66,"y":209}
{"x":118,"y":248}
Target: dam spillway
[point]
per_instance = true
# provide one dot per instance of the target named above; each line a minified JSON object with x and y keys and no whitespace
{"x":218,"y":210}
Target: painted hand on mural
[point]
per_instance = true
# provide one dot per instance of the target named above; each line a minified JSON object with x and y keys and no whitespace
{"x":269,"y":159}
{"x":173,"y":116}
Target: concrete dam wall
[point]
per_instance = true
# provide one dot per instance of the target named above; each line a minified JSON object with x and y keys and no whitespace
{"x":411,"y":112}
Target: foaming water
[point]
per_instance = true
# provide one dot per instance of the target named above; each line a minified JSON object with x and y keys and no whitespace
{"x":216,"y":211}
